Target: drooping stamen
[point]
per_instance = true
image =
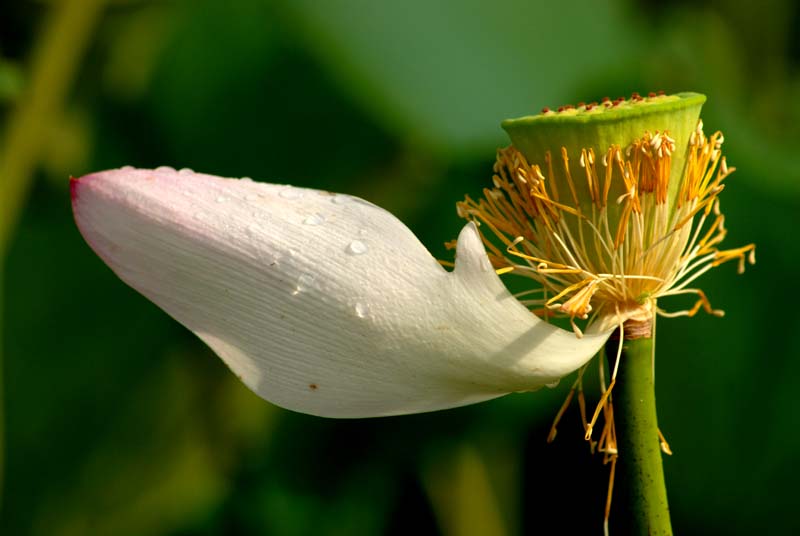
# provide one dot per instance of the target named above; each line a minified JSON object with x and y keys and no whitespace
{"x":608,"y":212}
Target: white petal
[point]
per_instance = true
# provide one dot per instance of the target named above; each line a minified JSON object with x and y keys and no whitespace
{"x":321,"y":303}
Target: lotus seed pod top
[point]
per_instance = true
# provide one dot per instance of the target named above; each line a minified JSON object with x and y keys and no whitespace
{"x":609,"y":206}
{"x":597,"y":127}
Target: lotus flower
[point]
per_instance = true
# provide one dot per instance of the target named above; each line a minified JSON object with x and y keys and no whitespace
{"x":326,"y":304}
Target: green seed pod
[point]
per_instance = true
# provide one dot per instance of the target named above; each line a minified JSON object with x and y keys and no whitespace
{"x":608,"y":206}
{"x":600,"y":126}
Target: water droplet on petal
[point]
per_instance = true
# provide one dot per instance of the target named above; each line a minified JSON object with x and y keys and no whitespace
{"x":127,"y":168}
{"x":291,"y":193}
{"x":165,"y":169}
{"x":303,"y":282}
{"x":552,"y":384}
{"x":185,"y":171}
{"x":356,"y":247}
{"x":246,"y":179}
{"x":221,"y":199}
{"x":314,"y":219}
{"x":341,"y":199}
{"x":362,"y":310}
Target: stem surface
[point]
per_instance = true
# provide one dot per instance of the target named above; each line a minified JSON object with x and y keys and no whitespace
{"x":640,"y":488}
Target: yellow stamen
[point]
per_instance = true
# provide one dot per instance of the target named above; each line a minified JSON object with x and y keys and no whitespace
{"x":664,"y":445}
{"x":593,"y":256}
{"x":614,"y":259}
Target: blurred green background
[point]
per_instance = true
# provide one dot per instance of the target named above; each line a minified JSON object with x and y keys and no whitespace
{"x":118,"y":421}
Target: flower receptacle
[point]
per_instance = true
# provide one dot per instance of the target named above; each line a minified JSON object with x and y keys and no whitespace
{"x":598,"y":126}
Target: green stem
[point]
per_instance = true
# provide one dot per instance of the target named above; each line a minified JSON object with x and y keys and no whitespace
{"x":641,"y":494}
